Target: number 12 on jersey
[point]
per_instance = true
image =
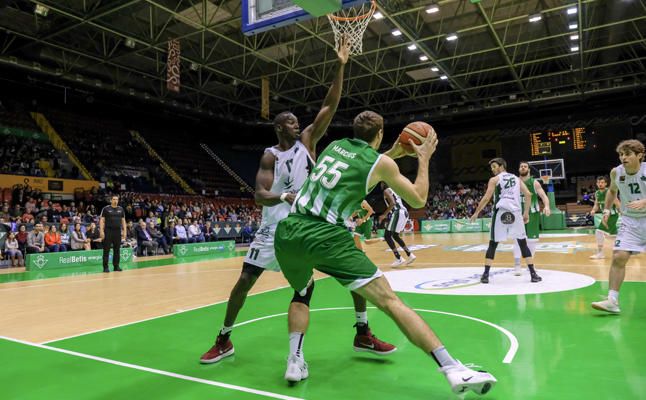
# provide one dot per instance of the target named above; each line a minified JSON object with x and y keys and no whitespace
{"x":329,"y":172}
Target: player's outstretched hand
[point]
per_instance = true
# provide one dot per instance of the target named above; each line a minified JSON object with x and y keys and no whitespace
{"x":343,"y":50}
{"x":290,"y":198}
{"x":637,"y":204}
{"x":547,"y":212}
{"x":604,"y":220}
{"x":526,"y":218}
{"x":425,"y":150}
{"x":473,"y":218}
{"x":398,"y":151}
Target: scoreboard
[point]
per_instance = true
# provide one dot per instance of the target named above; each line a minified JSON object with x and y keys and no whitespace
{"x":562,"y":141}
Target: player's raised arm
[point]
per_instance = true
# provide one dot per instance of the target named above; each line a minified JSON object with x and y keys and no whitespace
{"x":491,"y":186}
{"x":313,"y":133}
{"x":265,"y":179}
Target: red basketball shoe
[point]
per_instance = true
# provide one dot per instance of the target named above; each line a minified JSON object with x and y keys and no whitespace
{"x":221,"y":349}
{"x":369,"y":343}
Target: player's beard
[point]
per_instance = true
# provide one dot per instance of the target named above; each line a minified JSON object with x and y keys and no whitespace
{"x":524,"y":175}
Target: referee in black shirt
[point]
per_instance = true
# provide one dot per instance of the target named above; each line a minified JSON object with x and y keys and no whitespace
{"x":112,"y":230}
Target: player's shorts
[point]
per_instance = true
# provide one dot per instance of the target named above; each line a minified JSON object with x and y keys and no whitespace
{"x":303,"y":243}
{"x":612,"y":225}
{"x":506,"y":225}
{"x":365,"y":229}
{"x":261,"y":250}
{"x":397,"y":221}
{"x":532,"y":227}
{"x":631,"y":235}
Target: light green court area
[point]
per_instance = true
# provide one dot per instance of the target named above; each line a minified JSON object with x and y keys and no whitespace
{"x":566,"y":351}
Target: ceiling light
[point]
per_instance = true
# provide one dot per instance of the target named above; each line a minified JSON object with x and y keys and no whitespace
{"x":194,"y":66}
{"x":535,"y":18}
{"x":412,"y":47}
{"x":574,"y":48}
{"x":435,"y":69}
{"x":444,"y":77}
{"x":574,"y":37}
{"x":432,"y":9}
{"x":572,"y":10}
{"x":423,"y":58}
{"x":130,"y":43}
{"x":378,"y":15}
{"x":512,"y":97}
{"x":396,"y":32}
{"x":451,"y":37}
{"x":41,"y":10}
{"x":573,"y":25}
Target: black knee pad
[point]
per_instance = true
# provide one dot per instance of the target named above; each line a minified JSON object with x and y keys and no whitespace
{"x":491,"y":250}
{"x":304,"y":299}
{"x":524,"y":248}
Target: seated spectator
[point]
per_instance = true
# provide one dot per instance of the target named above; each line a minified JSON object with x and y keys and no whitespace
{"x":65,"y":236}
{"x":210,"y":235}
{"x":12,"y":250}
{"x":145,"y":241}
{"x":36,"y":240}
{"x":94,"y":235}
{"x":181,"y":236}
{"x":78,"y":240}
{"x":158,"y":237}
{"x":195,"y":234}
{"x":169,"y":234}
{"x":53,"y":240}
{"x":22,"y":239}
{"x":247,"y":233}
{"x":131,"y":235}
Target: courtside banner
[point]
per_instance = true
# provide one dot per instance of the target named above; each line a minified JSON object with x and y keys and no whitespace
{"x":464,"y":225}
{"x":433,"y":226}
{"x":72,"y":259}
{"x":205,"y":248}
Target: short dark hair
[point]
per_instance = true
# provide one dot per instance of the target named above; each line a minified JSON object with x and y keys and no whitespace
{"x":367,"y":125}
{"x":499,"y":161}
{"x":114,"y":195}
{"x":603,"y":178}
{"x":523,"y":162}
{"x":280,"y":119}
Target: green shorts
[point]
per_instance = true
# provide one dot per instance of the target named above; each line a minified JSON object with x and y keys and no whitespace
{"x":532,"y":227}
{"x":303,"y":243}
{"x":365,"y":229}
{"x":612,"y":225}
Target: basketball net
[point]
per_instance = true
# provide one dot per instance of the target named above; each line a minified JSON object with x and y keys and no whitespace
{"x":545,"y":179}
{"x":352,"y":23}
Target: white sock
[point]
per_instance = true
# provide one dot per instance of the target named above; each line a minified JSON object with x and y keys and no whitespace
{"x":601,"y":237}
{"x":362,"y":317}
{"x":532,"y":243}
{"x":516,"y":251}
{"x":225,"y":330}
{"x":613,"y":295}
{"x":296,"y":343}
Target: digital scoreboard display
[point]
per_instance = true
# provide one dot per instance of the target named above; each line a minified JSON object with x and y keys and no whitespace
{"x":561,"y":141}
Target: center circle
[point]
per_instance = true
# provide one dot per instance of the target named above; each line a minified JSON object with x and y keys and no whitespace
{"x":465,"y":281}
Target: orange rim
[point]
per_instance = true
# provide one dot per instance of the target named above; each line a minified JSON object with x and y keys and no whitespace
{"x":358,"y":17}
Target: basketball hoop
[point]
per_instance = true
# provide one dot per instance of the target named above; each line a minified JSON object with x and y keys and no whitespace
{"x":545,"y":179}
{"x":352,"y":22}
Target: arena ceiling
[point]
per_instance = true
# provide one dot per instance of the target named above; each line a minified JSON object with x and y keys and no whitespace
{"x":500,"y":59}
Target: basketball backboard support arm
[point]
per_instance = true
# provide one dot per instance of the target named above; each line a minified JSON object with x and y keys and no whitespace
{"x":263,"y":15}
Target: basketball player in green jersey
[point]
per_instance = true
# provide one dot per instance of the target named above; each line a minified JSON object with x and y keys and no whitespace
{"x":609,"y":229}
{"x":283,"y":171}
{"x":629,"y":180}
{"x":314,"y":235}
{"x":362,"y":219}
{"x":532,"y":227}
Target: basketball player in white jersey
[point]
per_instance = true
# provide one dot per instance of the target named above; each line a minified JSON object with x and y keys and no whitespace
{"x":398,"y":218}
{"x":629,"y":180}
{"x":283,"y":170}
{"x":507,"y":221}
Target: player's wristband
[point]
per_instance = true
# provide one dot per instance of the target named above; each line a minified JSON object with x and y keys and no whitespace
{"x":606,"y":212}
{"x":283,"y":197}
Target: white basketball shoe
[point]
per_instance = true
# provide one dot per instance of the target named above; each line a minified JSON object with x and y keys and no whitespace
{"x":607,"y":305}
{"x":463,"y":379}
{"x":296,"y":369}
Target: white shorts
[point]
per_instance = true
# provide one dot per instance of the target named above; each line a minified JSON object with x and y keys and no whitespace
{"x":397,"y":221}
{"x":507,"y":225}
{"x":631,"y":235}
{"x":261,"y":251}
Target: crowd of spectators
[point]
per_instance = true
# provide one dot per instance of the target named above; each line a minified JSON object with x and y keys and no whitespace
{"x":38,"y":225}
{"x":22,"y":156}
{"x":456,"y":201}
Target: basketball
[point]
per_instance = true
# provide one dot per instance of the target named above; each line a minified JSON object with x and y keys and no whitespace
{"x":417,"y":131}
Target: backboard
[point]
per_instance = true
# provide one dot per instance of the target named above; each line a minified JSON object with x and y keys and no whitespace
{"x":547,"y":169}
{"x":263,"y":15}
